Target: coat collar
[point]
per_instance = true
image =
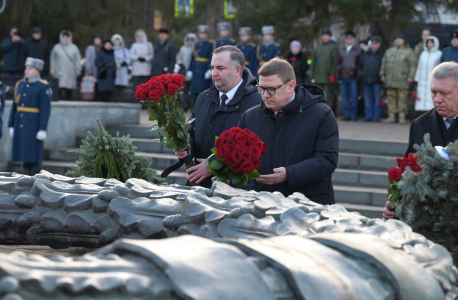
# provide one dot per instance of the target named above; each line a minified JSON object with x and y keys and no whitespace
{"x":432,"y":125}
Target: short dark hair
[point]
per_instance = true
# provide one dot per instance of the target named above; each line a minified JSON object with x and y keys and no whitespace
{"x":237,"y":58}
{"x":280,"y":67}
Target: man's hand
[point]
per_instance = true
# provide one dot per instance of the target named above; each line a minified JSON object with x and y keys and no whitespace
{"x":141,"y":59}
{"x":181,"y":154}
{"x":312,"y":81}
{"x":409,"y":80}
{"x":199,"y":172}
{"x":387,"y":213}
{"x":277,"y":177}
{"x":383,"y":78}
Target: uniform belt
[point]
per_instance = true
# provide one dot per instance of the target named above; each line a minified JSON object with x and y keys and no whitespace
{"x":261,"y":63}
{"x":201,"y":59}
{"x":29,"y":109}
{"x":247,"y":63}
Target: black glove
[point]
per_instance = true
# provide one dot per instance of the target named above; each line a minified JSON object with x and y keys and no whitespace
{"x":124,"y":64}
{"x":141,"y":59}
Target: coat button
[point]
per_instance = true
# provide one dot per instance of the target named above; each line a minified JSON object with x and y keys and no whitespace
{"x":21,"y":125}
{"x":28,"y":85}
{"x":22,"y":104}
{"x":22,"y":115}
{"x":23,"y":94}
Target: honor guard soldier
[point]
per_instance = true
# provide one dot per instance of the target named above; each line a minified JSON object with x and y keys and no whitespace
{"x":29,"y":116}
{"x":268,"y":49}
{"x":2,"y":107}
{"x":248,"y":49}
{"x":199,"y":68}
{"x":224,"y":39}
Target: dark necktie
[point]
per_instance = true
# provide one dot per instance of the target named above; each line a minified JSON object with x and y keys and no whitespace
{"x":280,"y":114}
{"x":223,"y":100}
{"x":449,"y":121}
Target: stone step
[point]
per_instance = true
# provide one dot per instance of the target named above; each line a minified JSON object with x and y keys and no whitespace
{"x":360,"y":195}
{"x":366,"y":161}
{"x":360,"y":178}
{"x":377,"y":147}
{"x":135,"y":131}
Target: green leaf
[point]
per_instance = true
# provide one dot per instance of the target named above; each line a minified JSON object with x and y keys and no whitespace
{"x":153,"y":116}
{"x":217,"y":165}
{"x":216,"y":137}
{"x":178,"y":118}
{"x":237,"y":177}
{"x":213,"y":150}
{"x":254,"y":175}
{"x":170,"y":144}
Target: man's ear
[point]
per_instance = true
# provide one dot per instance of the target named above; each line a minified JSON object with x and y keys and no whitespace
{"x":292,"y":85}
{"x":239,"y":70}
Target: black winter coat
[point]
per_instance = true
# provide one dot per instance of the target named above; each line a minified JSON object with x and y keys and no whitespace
{"x":211,"y":119}
{"x":36,"y":49}
{"x":433,"y":123}
{"x":106,"y":65}
{"x":369,"y":66}
{"x":450,"y":54}
{"x":305,"y":141}
{"x":299,"y":64}
{"x":164,"y":57}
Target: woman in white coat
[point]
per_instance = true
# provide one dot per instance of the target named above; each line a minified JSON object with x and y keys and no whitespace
{"x":65,"y":64}
{"x":141,"y":55}
{"x":429,"y":59}
{"x":122,"y":59}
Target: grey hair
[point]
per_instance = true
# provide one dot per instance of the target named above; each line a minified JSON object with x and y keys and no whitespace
{"x":445,"y":70}
{"x":237,"y":58}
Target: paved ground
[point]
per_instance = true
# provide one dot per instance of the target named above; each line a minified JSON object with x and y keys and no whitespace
{"x":352,"y":130}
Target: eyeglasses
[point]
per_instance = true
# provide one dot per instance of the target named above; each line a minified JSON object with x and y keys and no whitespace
{"x":270,"y":90}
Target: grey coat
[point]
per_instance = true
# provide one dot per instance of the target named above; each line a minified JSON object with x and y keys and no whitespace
{"x":65,"y":63}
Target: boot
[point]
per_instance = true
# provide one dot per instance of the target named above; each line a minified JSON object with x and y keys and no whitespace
{"x":402,"y":119}
{"x":390,"y":119}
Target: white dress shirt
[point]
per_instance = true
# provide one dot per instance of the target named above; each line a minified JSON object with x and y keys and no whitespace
{"x":230,"y":94}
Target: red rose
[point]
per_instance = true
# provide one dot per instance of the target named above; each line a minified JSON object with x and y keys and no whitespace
{"x":228,"y":161}
{"x":236,"y":156}
{"x":178,"y":79}
{"x":172,"y":88}
{"x":412,"y":158}
{"x":257,"y":163}
{"x":402,"y":163}
{"x":414,"y":167}
{"x":230,"y":144}
{"x":246,"y":155}
{"x":155,"y":95}
{"x":219,"y":142}
{"x":237,"y":168}
{"x":240,"y":147}
{"x":264,"y":148}
{"x":247,"y":132}
{"x":236,"y":129}
{"x":227,"y":135}
{"x":162,"y":89}
{"x":394,"y":174}
{"x":240,"y":139}
{"x":255,"y":152}
{"x":253,"y":140}
{"x":140,"y":93}
{"x":221,"y":152}
{"x":248,"y":167}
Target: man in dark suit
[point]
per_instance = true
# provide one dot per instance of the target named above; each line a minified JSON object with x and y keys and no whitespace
{"x":439,"y":122}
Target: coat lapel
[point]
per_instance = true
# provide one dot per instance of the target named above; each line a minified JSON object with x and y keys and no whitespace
{"x":432,"y":125}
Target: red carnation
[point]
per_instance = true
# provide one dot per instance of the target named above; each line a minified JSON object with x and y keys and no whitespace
{"x":230,"y":144}
{"x":255,"y":152}
{"x":236,"y":129}
{"x":155,"y":95}
{"x":240,"y":139}
{"x":237,"y":168}
{"x":219,"y":142}
{"x":172,"y":88}
{"x":228,"y":161}
{"x":248,"y":167}
{"x":236,"y":156}
{"x":394,"y":174}
{"x":257,"y":163}
{"x":264,"y":148}
{"x":246,"y":155}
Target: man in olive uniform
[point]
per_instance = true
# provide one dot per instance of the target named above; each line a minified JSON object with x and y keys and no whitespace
{"x":2,"y":108}
{"x":224,"y":32}
{"x":323,"y":67}
{"x":248,"y":49}
{"x":399,"y":65}
{"x":268,"y":49}
{"x":29,"y":116}
{"x":199,"y":69}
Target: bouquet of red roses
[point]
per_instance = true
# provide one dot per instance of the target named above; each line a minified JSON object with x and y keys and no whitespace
{"x":395,"y":175}
{"x":237,"y":154}
{"x":160,"y":94}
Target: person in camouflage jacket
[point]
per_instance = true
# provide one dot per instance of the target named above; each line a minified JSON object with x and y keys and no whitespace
{"x":398,"y":70}
{"x":324,"y":61}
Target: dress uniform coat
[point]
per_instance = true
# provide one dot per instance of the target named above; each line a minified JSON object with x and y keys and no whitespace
{"x":267,"y":52}
{"x":226,"y":41}
{"x":2,"y":108}
{"x":30,"y":114}
{"x":249,"y":52}
{"x":200,"y":63}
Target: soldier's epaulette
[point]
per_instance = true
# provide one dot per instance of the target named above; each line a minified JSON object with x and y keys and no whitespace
{"x":44,"y":81}
{"x":253,"y":44}
{"x":211,"y":41}
{"x":232,"y":40}
{"x":277,"y":44}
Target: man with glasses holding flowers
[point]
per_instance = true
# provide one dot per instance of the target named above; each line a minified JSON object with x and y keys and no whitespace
{"x":300,"y":131}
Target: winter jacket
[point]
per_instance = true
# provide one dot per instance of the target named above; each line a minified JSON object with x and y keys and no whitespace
{"x":450,"y":54}
{"x":122,"y":59}
{"x":369,"y":66}
{"x":141,"y":50}
{"x":36,"y":49}
{"x":418,"y":49}
{"x":185,"y":53}
{"x":398,"y":64}
{"x":164,"y":58}
{"x":211,"y":119}
{"x":347,"y":62}
{"x":2,"y":108}
{"x":309,"y":154}
{"x":65,"y":63}
{"x":106,"y":65}
{"x":12,"y":55}
{"x":324,"y":61}
{"x":299,"y":64}
{"x":90,"y":55}
{"x":429,"y":59}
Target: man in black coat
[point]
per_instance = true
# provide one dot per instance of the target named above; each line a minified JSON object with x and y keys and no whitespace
{"x":300,"y":131}
{"x":439,"y":122}
{"x":164,"y":55}
{"x":37,"y":47}
{"x":219,"y":108}
{"x":451,"y":52}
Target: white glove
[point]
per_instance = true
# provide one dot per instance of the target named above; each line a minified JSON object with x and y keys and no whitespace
{"x":188,"y":76}
{"x":41,"y":135}
{"x":11,"y":131}
{"x":208,"y":74}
